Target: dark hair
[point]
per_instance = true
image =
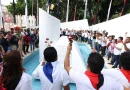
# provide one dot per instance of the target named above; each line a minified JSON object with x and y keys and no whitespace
{"x":11,"y":29}
{"x":95,"y":62}
{"x":12,"y":68}
{"x":125,"y":60}
{"x":121,"y":38}
{"x":50,"y":54}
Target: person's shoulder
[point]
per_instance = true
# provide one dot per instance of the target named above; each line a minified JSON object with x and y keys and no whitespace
{"x":111,"y":71}
{"x":26,"y":76}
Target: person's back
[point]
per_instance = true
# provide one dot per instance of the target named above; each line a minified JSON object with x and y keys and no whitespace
{"x":25,"y":82}
{"x":83,"y":82}
{"x":123,"y":75}
{"x":60,"y":78}
{"x":52,"y":75}
{"x":92,"y":78}
{"x":13,"y":76}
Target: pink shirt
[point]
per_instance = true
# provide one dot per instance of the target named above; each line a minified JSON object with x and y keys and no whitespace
{"x":112,"y":46}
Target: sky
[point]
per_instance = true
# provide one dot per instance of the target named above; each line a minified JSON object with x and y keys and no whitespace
{"x":6,"y":2}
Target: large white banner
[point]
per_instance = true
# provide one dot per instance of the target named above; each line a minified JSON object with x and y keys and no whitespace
{"x":49,"y":27}
{"x":117,"y":27}
{"x":76,"y":25}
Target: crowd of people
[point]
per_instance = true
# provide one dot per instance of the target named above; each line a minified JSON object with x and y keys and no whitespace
{"x":105,"y":45}
{"x":9,"y":40}
{"x":55,"y":77}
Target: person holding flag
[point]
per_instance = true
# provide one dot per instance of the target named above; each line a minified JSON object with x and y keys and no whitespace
{"x":92,"y":78}
{"x":51,"y":74}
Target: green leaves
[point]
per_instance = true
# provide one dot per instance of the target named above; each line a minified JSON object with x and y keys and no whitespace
{"x":61,"y":7}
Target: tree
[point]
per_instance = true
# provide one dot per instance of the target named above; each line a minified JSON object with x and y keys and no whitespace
{"x":20,"y":7}
{"x":99,"y":10}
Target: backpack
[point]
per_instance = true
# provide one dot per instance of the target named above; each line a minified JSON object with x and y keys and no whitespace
{"x":14,"y":40}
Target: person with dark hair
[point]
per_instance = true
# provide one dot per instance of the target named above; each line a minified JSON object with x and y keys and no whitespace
{"x":13,"y":75}
{"x":52,"y":75}
{"x":13,"y":42}
{"x":92,"y":78}
{"x":103,"y":44}
{"x":37,"y":41}
{"x":117,"y":52}
{"x":33,"y":40}
{"x":122,"y":75}
{"x":4,"y":41}
{"x":12,"y":31}
{"x":126,"y":45}
{"x":2,"y":29}
{"x":26,"y":42}
{"x":98,"y":46}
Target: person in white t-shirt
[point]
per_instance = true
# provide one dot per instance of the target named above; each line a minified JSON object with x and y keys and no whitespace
{"x":13,"y":75}
{"x":86,"y":35}
{"x":98,"y":46}
{"x":83,"y":35}
{"x":122,"y":75}
{"x":117,"y":53}
{"x":52,"y":75}
{"x":92,"y":78}
{"x":103,"y":44}
{"x":126,"y":44}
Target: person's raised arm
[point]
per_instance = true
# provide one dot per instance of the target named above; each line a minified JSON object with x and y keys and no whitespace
{"x":67,"y":59}
{"x":125,"y":47}
{"x":66,"y":87}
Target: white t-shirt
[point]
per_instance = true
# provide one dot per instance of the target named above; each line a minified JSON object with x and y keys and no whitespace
{"x":25,"y":82}
{"x":86,"y":35}
{"x":104,"y":43}
{"x":66,"y":33}
{"x":116,"y":51}
{"x":84,"y":83}
{"x":117,"y":75}
{"x":22,"y":33}
{"x":127,"y":45}
{"x":99,"y":41}
{"x":60,"y":78}
{"x":83,"y":34}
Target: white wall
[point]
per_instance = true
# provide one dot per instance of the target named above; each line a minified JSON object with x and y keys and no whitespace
{"x":20,"y":20}
{"x":116,"y":26}
{"x":77,"y":25}
{"x":49,"y":27}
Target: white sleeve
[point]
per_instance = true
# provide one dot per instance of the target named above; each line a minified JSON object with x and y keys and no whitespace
{"x":65,"y":78}
{"x":116,"y":75}
{"x":116,"y":85}
{"x":27,"y":85}
{"x":74,"y":75}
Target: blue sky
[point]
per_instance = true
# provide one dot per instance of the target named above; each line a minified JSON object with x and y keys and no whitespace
{"x":6,"y":2}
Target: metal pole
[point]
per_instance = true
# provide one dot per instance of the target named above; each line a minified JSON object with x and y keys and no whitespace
{"x":67,"y":14}
{"x":109,"y":10}
{"x":32,"y":7}
{"x":48,"y":6}
{"x":85,"y":9}
{"x":14,"y":12}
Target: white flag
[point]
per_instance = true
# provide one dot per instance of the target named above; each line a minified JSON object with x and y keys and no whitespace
{"x":26,"y":14}
{"x":1,"y":16}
